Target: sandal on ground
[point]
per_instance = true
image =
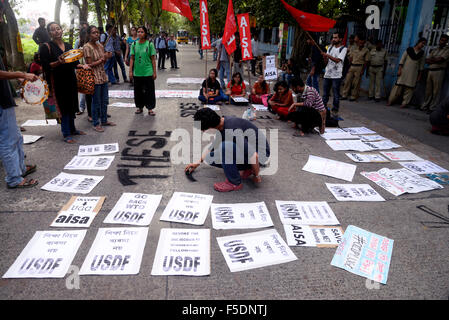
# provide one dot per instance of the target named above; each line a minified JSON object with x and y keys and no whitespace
{"x":79,"y":113}
{"x":25,"y":184}
{"x":298,"y":134}
{"x":22,"y":129}
{"x":139,"y":111}
{"x":110,"y":124}
{"x":151,"y":113}
{"x":226,"y":186}
{"x":99,"y":129}
{"x":69,"y":140}
{"x":79,"y":133}
{"x":29,"y":170}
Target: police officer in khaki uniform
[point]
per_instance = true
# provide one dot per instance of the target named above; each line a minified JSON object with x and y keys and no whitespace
{"x":358,"y":58}
{"x":376,"y":68}
{"x":410,"y":70}
{"x":437,"y":61}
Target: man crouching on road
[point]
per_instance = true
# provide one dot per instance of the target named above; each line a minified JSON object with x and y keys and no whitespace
{"x":239,"y":149}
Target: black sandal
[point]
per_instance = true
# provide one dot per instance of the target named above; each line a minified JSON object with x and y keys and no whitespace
{"x":29,"y":170}
{"x":139,"y":111}
{"x":25,"y":184}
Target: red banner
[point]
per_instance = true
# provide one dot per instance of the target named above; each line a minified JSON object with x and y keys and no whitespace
{"x":245,"y":36}
{"x":204,"y":21}
{"x":309,"y":21}
{"x":181,"y":7}
{"x":230,"y":30}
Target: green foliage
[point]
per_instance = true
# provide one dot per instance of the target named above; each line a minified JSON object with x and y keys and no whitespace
{"x":29,"y":48}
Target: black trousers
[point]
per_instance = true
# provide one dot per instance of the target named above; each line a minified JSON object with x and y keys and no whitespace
{"x":161,"y":60}
{"x":144,"y":92}
{"x":174,"y":63}
{"x":307,"y":118}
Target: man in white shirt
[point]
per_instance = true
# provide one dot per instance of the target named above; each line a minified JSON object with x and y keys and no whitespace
{"x":334,"y":59}
{"x":255,"y":47}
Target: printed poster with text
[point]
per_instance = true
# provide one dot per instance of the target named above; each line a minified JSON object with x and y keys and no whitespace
{"x":48,"y":254}
{"x":365,"y":254}
{"x":255,"y":250}
{"x":190,"y":208}
{"x":182,"y":252}
{"x":317,"y":213}
{"x":116,"y":251}
{"x":240,"y":216}
{"x":313,"y":236}
{"x":79,"y":212}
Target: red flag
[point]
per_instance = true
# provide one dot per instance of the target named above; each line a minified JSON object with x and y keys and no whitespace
{"x":345,"y":39}
{"x":181,"y":7}
{"x":245,"y":36}
{"x":230,"y":30}
{"x":309,"y":21}
{"x":204,"y":20}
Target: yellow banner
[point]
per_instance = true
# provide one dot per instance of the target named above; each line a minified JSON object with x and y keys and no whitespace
{"x":19,"y":43}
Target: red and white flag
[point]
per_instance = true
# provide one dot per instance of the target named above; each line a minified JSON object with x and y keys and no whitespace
{"x":228,"y":39}
{"x":181,"y":7}
{"x":204,"y":21}
{"x":245,"y":36}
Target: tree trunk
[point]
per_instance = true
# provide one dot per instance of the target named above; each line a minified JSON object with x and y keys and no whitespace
{"x":58,"y":11}
{"x":98,"y":11}
{"x":17,"y":60}
{"x":72,"y":22}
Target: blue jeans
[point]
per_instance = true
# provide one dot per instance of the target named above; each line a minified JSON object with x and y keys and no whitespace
{"x":108,"y":66}
{"x":335,"y":84}
{"x":287,"y":77}
{"x":215,"y":55}
{"x":100,"y":104}
{"x":82,"y":102}
{"x":119,"y":61}
{"x":224,"y":67}
{"x":228,"y":164}
{"x":221,"y":97}
{"x":11,"y":147}
{"x":68,"y":125}
{"x":314,"y":81}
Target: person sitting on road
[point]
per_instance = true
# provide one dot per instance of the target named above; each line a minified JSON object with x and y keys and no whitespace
{"x":210,"y":92}
{"x":439,"y":118}
{"x":236,"y":87}
{"x":282,"y":99}
{"x":236,"y":149}
{"x":260,"y":92}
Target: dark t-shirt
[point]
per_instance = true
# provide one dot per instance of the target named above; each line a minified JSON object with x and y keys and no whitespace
{"x":211,"y":86}
{"x":41,"y":36}
{"x":6,"y":98}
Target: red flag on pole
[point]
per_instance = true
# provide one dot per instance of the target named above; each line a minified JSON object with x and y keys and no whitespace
{"x":309,"y":21}
{"x":230,"y":30}
{"x":181,"y":7}
{"x":245,"y":36}
{"x":204,"y":20}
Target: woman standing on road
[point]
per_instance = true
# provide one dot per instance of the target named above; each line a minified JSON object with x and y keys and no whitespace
{"x":142,"y":69}
{"x":96,"y":57}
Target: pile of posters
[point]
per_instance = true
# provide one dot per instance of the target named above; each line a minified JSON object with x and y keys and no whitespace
{"x":331,"y":168}
{"x":134,"y":209}
{"x":240,"y":216}
{"x":29,"y":139}
{"x":116,"y":251}
{"x":79,"y":212}
{"x":401,"y":156}
{"x":37,"y":123}
{"x":182,"y":252}
{"x":255,"y":250}
{"x":48,"y":254}
{"x":359,"y":130}
{"x":90,"y":163}
{"x":97,"y":149}
{"x":422,"y":167}
{"x":354,"y":192}
{"x":313,"y":236}
{"x":365,"y":254}
{"x":366,"y":157}
{"x":306,"y":213}
{"x":72,"y":183}
{"x":190,"y":208}
{"x":400,"y":181}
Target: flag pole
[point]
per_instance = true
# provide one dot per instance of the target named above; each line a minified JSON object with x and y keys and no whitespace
{"x":307,"y":32}
{"x":207,"y":89}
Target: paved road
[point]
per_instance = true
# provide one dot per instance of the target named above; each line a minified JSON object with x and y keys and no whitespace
{"x":420,"y":262}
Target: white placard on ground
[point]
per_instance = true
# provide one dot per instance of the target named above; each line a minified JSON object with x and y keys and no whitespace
{"x":348,"y":145}
{"x":180,"y":80}
{"x":382,"y":145}
{"x":331,"y":168}
{"x":255,"y":250}
{"x":240,"y":99}
{"x":212,"y":107}
{"x":38,"y":123}
{"x":48,"y":254}
{"x":123,"y":105}
{"x":116,"y":251}
{"x":121,"y":94}
{"x":336,"y":135}
{"x":401,"y":156}
{"x":29,"y":139}
{"x":423,"y":167}
{"x":401,"y":181}
{"x":366,"y":157}
{"x":306,"y":213}
{"x":72,"y":183}
{"x":98,"y":149}
{"x":79,"y":212}
{"x":134,"y":208}
{"x":90,"y":163}
{"x":354,"y":192}
{"x":313,"y":236}
{"x":182,"y":252}
{"x":240,"y":216}
{"x":192,"y":94}
{"x":371,"y":137}
{"x":359,"y":130}
{"x":260,"y":107}
{"x":190,"y":208}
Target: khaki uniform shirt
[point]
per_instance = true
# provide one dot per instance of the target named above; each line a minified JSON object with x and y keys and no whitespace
{"x":378,"y":58}
{"x":410,"y":70}
{"x":351,"y":48}
{"x":360,"y":56}
{"x":444,"y":53}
